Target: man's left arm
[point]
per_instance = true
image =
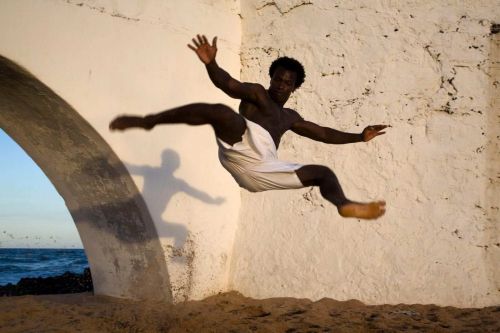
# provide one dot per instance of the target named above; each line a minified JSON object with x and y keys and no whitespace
{"x":332,"y":136}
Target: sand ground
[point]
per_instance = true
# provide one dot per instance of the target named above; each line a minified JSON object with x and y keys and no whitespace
{"x":232,"y":312}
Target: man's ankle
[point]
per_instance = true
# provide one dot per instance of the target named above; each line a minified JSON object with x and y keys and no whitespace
{"x":148,"y":122}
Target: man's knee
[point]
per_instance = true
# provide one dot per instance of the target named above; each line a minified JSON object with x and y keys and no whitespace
{"x":313,"y":175}
{"x":227,"y":124}
{"x":221,"y":113}
{"x":222,"y":108}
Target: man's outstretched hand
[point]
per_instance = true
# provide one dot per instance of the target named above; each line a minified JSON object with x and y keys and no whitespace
{"x":372,"y":131}
{"x":203,"y":49}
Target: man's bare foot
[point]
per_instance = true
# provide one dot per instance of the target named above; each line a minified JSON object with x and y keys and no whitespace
{"x":124,"y":122}
{"x":369,"y":211}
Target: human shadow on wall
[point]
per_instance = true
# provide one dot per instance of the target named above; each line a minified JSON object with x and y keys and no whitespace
{"x":109,"y":212}
{"x":160,"y":185}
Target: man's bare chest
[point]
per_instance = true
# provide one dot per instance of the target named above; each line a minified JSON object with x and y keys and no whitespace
{"x":274,"y":119}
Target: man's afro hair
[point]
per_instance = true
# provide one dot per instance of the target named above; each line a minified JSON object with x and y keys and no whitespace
{"x":291,"y":65}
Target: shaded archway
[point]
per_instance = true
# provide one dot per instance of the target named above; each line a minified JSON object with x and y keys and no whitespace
{"x":117,"y":232}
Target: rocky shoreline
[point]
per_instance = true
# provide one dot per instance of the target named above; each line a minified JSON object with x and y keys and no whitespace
{"x":66,"y":283}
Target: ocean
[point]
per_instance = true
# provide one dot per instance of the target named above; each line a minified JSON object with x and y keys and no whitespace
{"x":18,"y":263}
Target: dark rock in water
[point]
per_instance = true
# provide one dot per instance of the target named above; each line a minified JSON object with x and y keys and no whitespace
{"x":66,"y":283}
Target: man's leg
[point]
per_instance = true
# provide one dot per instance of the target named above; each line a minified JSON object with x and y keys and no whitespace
{"x":227,"y":124}
{"x":329,"y":186}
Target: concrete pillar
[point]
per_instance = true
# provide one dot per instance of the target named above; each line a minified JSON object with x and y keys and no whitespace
{"x":120,"y":240}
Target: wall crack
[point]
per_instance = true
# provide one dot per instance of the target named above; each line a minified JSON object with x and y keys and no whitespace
{"x":102,"y":10}
{"x":280,"y":9}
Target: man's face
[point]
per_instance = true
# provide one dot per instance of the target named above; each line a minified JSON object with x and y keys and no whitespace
{"x":282,"y":85}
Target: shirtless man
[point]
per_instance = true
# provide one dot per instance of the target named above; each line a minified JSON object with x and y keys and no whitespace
{"x":248,"y":141}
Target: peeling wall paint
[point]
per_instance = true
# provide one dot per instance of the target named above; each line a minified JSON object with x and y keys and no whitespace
{"x":430,"y":69}
{"x":425,"y":67}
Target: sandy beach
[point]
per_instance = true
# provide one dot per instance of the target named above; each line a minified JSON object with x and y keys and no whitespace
{"x":233,"y":312}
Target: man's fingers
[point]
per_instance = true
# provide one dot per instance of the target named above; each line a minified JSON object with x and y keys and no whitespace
{"x":192,"y":47}
{"x":380,"y":133}
{"x":202,"y":39}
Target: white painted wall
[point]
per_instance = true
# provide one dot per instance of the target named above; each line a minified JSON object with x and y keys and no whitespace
{"x":130,"y":57}
{"x":438,"y":242}
{"x":424,"y":68}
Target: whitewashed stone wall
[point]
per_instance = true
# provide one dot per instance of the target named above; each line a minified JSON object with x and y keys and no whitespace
{"x":424,"y":67}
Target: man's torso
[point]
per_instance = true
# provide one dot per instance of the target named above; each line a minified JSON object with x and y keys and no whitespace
{"x":270,"y":116}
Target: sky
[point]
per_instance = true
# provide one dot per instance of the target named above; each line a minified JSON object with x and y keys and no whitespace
{"x":32,"y":213}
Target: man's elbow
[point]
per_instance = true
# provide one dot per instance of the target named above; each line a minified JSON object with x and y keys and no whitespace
{"x":219,"y":83}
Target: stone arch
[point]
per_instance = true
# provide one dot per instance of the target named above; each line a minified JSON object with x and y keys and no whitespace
{"x":117,"y":232}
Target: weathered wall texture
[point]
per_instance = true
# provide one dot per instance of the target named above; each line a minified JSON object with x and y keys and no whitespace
{"x":114,"y":57}
{"x":424,"y":67}
{"x":125,"y":255}
{"x":428,"y":68}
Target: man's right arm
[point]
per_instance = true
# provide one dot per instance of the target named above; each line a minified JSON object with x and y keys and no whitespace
{"x":234,"y":88}
{"x":221,"y":79}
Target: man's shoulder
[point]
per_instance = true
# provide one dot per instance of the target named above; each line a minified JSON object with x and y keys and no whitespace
{"x":294,"y":115}
{"x":254,"y":86}
{"x":257,"y":92}
{"x":258,"y":88}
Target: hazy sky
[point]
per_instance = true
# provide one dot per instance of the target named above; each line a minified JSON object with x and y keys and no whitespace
{"x":32,"y":213}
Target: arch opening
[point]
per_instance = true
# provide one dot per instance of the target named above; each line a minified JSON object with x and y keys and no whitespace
{"x":117,"y":232}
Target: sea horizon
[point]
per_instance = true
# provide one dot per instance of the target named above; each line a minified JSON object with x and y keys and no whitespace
{"x":41,"y":248}
{"x":18,"y":263}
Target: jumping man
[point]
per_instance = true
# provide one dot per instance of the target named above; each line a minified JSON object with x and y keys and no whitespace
{"x":248,"y":141}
